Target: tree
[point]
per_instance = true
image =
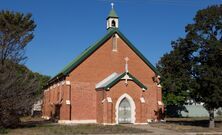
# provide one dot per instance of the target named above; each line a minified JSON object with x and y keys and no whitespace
{"x":175,"y":68}
{"x":19,"y":87}
{"x":16,"y":31}
{"x":195,"y":62}
{"x":206,"y":34}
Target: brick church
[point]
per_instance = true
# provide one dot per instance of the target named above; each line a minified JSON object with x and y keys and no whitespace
{"x":111,"y":82}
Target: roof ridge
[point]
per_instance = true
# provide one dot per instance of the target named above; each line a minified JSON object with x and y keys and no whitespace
{"x":87,"y":52}
{"x":63,"y":71}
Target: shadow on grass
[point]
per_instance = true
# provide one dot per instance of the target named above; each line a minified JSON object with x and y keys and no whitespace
{"x":3,"y":130}
{"x":26,"y":124}
{"x":201,"y":123}
{"x":32,"y":124}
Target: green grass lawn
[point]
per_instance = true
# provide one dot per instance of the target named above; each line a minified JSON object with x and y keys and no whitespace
{"x":38,"y":126}
{"x":55,"y":129}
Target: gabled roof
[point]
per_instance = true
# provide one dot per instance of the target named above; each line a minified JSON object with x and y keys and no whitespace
{"x":107,"y":80}
{"x":112,"y":14}
{"x":85,"y":54}
{"x":114,"y":78}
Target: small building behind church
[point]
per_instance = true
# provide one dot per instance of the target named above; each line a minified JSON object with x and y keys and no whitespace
{"x":111,"y":82}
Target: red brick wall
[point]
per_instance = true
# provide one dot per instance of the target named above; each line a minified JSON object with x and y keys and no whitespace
{"x":133,"y":90}
{"x":100,"y":105}
{"x":65,"y":108}
{"x":56,"y":95}
{"x":98,"y":66}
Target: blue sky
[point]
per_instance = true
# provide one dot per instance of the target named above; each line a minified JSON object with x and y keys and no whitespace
{"x":67,"y":27}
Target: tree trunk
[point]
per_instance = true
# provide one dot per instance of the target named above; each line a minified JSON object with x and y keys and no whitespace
{"x":211,"y":121}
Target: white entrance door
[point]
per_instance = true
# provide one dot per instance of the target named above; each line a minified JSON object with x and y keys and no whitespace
{"x":124,"y":111}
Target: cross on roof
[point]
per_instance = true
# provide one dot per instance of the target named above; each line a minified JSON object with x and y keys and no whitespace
{"x":112,"y":4}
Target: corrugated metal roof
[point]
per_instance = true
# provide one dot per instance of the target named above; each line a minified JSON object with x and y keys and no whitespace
{"x":114,"y":78}
{"x":107,"y":80}
{"x":78,"y":60}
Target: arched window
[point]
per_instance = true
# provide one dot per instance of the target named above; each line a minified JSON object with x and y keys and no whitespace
{"x":125,"y":103}
{"x":124,"y":112}
{"x":113,"y":23}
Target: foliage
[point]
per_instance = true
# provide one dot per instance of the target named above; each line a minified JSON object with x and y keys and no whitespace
{"x":175,"y":68}
{"x":16,"y":31}
{"x":19,"y":89}
{"x":206,"y":34}
{"x":193,"y":69}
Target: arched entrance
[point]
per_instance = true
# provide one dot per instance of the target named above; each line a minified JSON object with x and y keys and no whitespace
{"x":124,"y":112}
{"x":125,"y":109}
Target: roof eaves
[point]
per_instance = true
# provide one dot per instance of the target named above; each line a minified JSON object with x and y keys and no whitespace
{"x":59,"y":75}
{"x":138,"y":52}
{"x":137,"y":81}
{"x":88,"y":52}
{"x":111,"y":84}
{"x":83,"y":55}
{"x":95,"y":46}
{"x":114,"y":82}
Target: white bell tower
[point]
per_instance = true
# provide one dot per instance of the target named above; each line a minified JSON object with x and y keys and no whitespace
{"x":112,"y":19}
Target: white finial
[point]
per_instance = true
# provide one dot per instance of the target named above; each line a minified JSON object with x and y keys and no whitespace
{"x":126,"y":66}
{"x":112,"y":4}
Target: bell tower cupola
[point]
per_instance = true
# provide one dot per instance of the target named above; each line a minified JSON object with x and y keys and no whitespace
{"x":112,"y":19}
